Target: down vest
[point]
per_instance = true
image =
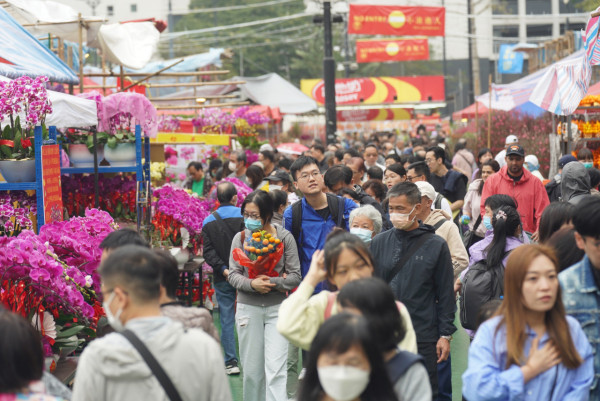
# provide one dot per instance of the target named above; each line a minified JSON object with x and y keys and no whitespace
{"x":529,"y":192}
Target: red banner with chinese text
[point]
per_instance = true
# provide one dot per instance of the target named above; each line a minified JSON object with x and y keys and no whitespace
{"x":396,"y":20}
{"x":379,"y":90}
{"x":375,"y":51}
{"x":53,"y":205}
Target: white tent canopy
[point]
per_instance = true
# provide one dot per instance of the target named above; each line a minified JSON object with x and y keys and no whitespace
{"x":69,"y":111}
{"x":131,"y":44}
{"x":53,"y":17}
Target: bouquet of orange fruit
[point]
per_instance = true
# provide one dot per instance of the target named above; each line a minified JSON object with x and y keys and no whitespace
{"x":261,"y":253}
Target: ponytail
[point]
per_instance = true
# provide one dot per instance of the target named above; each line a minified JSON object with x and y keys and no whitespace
{"x":506,"y":222}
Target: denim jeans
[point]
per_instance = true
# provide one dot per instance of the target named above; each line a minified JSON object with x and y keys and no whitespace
{"x":226,"y":301}
{"x":263,"y":353}
{"x":444,"y":370}
{"x":292,"y":371}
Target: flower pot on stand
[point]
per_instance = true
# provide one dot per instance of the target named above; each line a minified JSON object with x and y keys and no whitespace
{"x":122,"y":156}
{"x":18,"y":170}
{"x":81,"y":156}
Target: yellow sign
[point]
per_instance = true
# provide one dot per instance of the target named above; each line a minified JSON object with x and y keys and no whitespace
{"x":208,"y":139}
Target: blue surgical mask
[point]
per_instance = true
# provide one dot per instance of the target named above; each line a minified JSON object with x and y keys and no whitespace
{"x":362,"y":233}
{"x":487,"y":222}
{"x":252,"y":224}
{"x":588,"y":165}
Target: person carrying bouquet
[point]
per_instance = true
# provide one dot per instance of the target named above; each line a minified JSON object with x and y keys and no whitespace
{"x":263,"y":266}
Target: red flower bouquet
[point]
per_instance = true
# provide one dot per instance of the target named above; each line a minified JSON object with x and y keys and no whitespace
{"x":261,"y":254}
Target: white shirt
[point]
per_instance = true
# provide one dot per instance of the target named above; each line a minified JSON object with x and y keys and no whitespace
{"x":500,"y":158}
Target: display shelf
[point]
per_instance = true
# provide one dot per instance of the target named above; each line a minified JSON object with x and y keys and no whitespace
{"x":141,"y":170}
{"x":38,"y":184}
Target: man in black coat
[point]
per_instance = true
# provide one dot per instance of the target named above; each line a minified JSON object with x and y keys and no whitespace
{"x":218,"y":230}
{"x":417,"y":265}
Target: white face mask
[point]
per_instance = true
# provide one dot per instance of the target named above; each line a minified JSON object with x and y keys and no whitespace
{"x":402,"y":220}
{"x":274,"y":187}
{"x":113,"y":320}
{"x":343,"y":383}
{"x":232,"y":166}
{"x":362,"y":233}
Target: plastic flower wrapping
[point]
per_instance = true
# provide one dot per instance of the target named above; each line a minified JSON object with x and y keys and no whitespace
{"x":260,"y":255}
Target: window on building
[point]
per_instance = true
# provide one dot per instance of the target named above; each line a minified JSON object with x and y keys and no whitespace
{"x":538,"y":7}
{"x":539,"y":31}
{"x":572,"y":27}
{"x":505,"y":7}
{"x":110,"y":10}
{"x":500,"y":32}
{"x":134,"y":8}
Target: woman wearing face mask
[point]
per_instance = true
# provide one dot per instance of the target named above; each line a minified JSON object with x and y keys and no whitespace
{"x":263,"y":350}
{"x":530,"y":349}
{"x":365,"y":223}
{"x":345,"y":364}
{"x":374,"y":299}
{"x":472,"y":204}
{"x":345,"y":258}
{"x":507,"y":230}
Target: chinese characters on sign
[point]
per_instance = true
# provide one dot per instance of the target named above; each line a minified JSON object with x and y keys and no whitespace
{"x":53,"y":206}
{"x":372,"y":51}
{"x":396,"y":20}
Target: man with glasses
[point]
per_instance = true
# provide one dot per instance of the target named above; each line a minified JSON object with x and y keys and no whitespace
{"x":317,"y":213}
{"x":419,"y":171}
{"x":581,"y":282}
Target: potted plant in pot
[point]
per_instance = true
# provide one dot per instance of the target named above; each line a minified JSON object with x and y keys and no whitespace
{"x":21,"y":100}
{"x":81,"y":146}
{"x":120,"y":144}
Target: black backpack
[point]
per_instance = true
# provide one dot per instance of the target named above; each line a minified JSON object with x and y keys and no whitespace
{"x":336,"y":209}
{"x":481,"y":284}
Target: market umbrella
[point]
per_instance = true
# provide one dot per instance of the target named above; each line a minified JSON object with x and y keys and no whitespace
{"x":292,"y":148}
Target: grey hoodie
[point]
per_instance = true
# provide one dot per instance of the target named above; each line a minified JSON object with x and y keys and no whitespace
{"x":575,"y":183}
{"x":111,"y":369}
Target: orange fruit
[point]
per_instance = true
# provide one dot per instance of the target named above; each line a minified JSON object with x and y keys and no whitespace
{"x":270,"y":247}
{"x":259,"y":258}
{"x":277,"y":240}
{"x":271,"y":239}
{"x":266,"y":242}
{"x":265,"y":250}
{"x":251,"y":249}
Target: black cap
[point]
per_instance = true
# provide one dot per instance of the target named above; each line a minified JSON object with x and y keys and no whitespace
{"x":279,"y":175}
{"x":515,"y":150}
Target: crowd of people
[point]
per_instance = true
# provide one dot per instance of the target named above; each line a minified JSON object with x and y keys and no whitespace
{"x":378,"y":244}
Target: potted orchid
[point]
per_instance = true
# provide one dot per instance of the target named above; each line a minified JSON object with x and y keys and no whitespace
{"x":81,"y":146}
{"x":24,"y":104}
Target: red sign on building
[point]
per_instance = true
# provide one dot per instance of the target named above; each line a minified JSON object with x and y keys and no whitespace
{"x":374,"y":51}
{"x":397,"y":20}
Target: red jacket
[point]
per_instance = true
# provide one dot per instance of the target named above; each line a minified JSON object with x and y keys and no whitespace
{"x":529,"y":192}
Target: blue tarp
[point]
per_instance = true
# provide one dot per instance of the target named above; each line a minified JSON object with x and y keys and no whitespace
{"x":190,"y":63}
{"x":22,"y":54}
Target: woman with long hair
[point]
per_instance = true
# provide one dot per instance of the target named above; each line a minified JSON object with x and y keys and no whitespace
{"x":555,"y":216}
{"x":263,"y":350}
{"x":483,"y":156}
{"x":530,"y":349}
{"x":471,"y":208}
{"x":345,"y":364}
{"x":345,"y":258}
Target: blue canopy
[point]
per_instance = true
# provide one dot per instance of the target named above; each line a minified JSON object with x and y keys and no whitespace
{"x":22,"y":54}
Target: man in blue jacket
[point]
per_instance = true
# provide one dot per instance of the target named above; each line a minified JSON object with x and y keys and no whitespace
{"x":316,"y":214}
{"x":581,"y":282}
{"x":417,"y":265}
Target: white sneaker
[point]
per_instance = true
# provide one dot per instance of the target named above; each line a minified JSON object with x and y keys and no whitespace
{"x":232,"y":368}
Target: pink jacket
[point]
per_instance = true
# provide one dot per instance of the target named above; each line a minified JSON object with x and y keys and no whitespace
{"x":529,"y":193}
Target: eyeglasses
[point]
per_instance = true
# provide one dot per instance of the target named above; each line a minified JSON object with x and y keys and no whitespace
{"x":315,"y":174}
{"x":429,"y":161}
{"x":410,"y":179}
{"x":251,"y":216}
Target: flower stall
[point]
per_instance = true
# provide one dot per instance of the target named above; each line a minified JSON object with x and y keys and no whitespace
{"x":585,"y":127}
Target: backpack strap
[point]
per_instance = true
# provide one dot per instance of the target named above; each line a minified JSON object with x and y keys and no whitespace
{"x":438,"y":201}
{"x":400,"y":363}
{"x":439,"y":224}
{"x":297,"y":221}
{"x":336,"y":209}
{"x":405,"y":258}
{"x":228,"y":229}
{"x":154,"y":366}
{"x":331,"y":298}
